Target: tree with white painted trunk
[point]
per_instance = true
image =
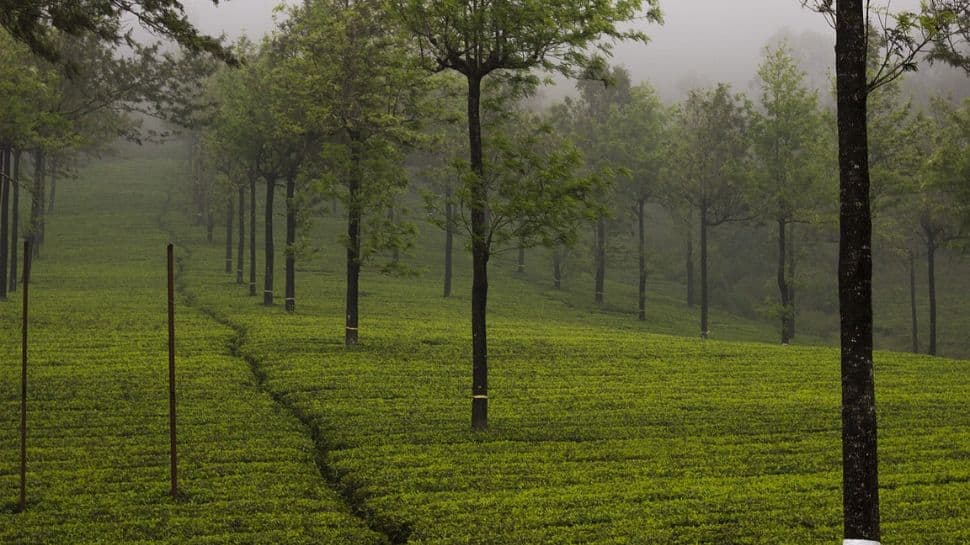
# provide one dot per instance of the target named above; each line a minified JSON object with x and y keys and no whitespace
{"x":357,"y":84}
{"x":940,"y":29}
{"x":481,"y":38}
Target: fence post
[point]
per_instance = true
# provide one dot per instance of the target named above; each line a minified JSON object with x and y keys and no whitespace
{"x":22,"y":504}
{"x":171,"y":369}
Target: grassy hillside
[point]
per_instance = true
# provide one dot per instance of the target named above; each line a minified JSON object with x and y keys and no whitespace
{"x":601,"y":432}
{"x":98,"y":408}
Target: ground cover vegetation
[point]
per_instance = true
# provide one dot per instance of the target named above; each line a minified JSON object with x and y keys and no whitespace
{"x":601,"y":433}
{"x":97,"y":420}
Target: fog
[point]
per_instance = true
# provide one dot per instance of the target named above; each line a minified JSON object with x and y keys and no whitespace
{"x":700,"y":43}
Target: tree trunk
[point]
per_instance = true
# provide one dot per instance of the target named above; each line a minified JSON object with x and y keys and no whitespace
{"x":783,"y":287}
{"x":690,"y":267}
{"x":15,"y":221}
{"x":600,"y":258}
{"x":53,"y":176}
{"x":268,"y":243}
{"x":37,"y":203}
{"x":791,"y":281}
{"x":290,"y":288}
{"x":480,"y":254}
{"x":230,"y":210}
{"x":396,"y":250}
{"x":241,"y":243}
{"x":931,"y":285}
{"x":252,"y":235}
{"x":642,"y":251}
{"x":520,"y":260}
{"x":4,"y":219}
{"x":210,"y":226}
{"x":912,"y":301}
{"x":354,"y":180}
{"x":449,"y":238}
{"x":557,"y":266}
{"x":704,"y":295}
{"x":860,"y":497}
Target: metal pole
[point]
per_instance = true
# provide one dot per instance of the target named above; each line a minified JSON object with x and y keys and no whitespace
{"x":171,"y":368}
{"x":22,"y":505}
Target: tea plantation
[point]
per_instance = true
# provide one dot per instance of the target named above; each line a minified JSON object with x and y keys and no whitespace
{"x":98,"y":408}
{"x":601,"y":433}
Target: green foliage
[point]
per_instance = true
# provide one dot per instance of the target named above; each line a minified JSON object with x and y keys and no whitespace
{"x":86,"y":110}
{"x":950,"y":163}
{"x":345,"y":87}
{"x":638,"y":132}
{"x":553,"y":35}
{"x":894,"y":152}
{"x":26,"y":90}
{"x":39,"y":24}
{"x":558,"y":36}
{"x":939,"y":198}
{"x":591,"y":122}
{"x":793,"y":149}
{"x":710,"y":149}
{"x":949,"y":23}
{"x":537,"y":193}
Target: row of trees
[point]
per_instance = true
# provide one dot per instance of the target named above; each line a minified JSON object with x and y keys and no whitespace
{"x":724,"y":150}
{"x":719,"y":157}
{"x":340,"y":105}
{"x":336,"y":107}
{"x":66,"y":95}
{"x":48,"y":120}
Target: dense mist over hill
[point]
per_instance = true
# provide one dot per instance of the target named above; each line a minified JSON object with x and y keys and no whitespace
{"x":701,"y":42}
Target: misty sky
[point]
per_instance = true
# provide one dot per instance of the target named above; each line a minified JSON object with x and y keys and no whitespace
{"x":701,"y":42}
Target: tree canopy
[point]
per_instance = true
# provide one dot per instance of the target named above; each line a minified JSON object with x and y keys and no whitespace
{"x":38,"y":24}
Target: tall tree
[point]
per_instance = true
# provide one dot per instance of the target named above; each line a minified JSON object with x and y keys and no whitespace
{"x":480,"y":38}
{"x":711,"y":143}
{"x":908,"y":36}
{"x":364,"y":90}
{"x":446,"y":127}
{"x":788,"y":133}
{"x":941,"y":212}
{"x":294,"y":142}
{"x":254,"y":124}
{"x":599,"y":100}
{"x":638,"y":131}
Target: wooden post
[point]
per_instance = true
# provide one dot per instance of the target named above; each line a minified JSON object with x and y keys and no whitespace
{"x":171,"y":368}
{"x":22,"y":505}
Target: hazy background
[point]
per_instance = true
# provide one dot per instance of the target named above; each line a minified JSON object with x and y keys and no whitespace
{"x":701,"y":42}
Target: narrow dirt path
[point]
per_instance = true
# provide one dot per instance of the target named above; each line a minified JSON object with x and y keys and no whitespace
{"x":395,"y":534}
